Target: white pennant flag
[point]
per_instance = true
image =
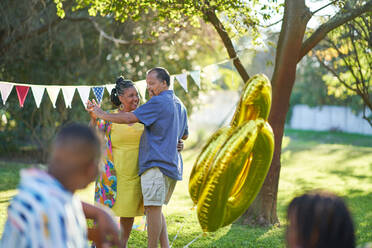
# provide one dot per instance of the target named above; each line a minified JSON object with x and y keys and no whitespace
{"x":171,"y":83}
{"x":109,"y":87}
{"x":141,"y":86}
{"x":196,"y":77}
{"x":38,"y":92}
{"x":182,"y":79}
{"x":212,"y":73}
{"x":5,"y":90}
{"x":84,"y":94}
{"x":68,"y":94}
{"x":53,"y":92}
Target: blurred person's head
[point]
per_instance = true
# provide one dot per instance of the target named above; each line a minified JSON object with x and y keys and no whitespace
{"x":158,"y":80}
{"x":125,"y":94}
{"x":75,"y":156}
{"x":319,"y":220}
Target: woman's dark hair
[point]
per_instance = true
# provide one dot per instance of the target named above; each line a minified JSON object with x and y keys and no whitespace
{"x":322,"y":220}
{"x":119,"y":89}
{"x":161,"y":74}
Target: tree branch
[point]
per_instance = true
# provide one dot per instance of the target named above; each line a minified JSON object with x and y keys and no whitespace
{"x":344,"y":58}
{"x":38,"y":31}
{"x":365,"y":117}
{"x":325,"y":6}
{"x":362,"y":93}
{"x":355,"y":50}
{"x":270,"y":25}
{"x":334,"y":73}
{"x":217,"y":24}
{"x":109,"y":37}
{"x":337,"y":20}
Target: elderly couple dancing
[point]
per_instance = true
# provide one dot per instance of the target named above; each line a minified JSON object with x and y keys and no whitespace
{"x":141,"y":167}
{"x":142,"y":162}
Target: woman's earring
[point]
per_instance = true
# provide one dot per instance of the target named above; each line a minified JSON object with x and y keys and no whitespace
{"x":121,"y":107}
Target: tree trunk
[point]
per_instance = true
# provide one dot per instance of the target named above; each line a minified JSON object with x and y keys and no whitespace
{"x":296,"y":15}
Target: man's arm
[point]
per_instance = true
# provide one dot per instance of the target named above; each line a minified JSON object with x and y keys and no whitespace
{"x":122,"y":117}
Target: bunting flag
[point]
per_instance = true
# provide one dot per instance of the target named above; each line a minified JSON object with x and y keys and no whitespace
{"x":182,"y":79}
{"x":210,"y":71}
{"x":109,"y":87}
{"x":98,"y":92}
{"x":38,"y":92}
{"x":84,"y":94}
{"x":5,"y":90}
{"x":68,"y":94}
{"x":195,"y":75}
{"x":141,"y":86}
{"x":53,"y":92}
{"x":22,"y":93}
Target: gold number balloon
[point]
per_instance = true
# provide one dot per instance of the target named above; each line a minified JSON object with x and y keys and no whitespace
{"x":232,"y":166}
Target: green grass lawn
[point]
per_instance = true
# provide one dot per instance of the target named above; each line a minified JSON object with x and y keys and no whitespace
{"x":338,"y":162}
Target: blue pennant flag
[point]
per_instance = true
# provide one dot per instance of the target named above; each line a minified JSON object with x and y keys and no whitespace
{"x":98,"y":92}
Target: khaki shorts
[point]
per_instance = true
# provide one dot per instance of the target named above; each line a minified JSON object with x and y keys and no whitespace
{"x":157,"y":188}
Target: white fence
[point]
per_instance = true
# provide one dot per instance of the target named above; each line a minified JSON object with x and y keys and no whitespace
{"x":328,"y":118}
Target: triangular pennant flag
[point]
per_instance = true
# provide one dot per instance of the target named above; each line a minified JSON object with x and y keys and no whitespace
{"x":98,"y":92}
{"x":195,"y":75}
{"x":211,"y":72}
{"x":84,"y":94}
{"x":182,"y":79}
{"x":38,"y":92}
{"x":109,"y":87}
{"x":141,"y":86}
{"x":22,"y":93}
{"x":5,"y":90}
{"x":53,"y":92}
{"x":68,"y":94}
{"x":171,"y":83}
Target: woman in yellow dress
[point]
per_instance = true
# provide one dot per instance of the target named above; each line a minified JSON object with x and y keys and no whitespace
{"x":119,"y":186}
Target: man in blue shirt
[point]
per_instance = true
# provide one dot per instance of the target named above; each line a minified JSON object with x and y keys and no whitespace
{"x":160,"y":165}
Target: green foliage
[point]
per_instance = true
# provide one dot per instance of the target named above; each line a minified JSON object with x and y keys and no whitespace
{"x":347,"y":56}
{"x":38,"y":47}
{"x":240,"y":16}
{"x":310,"y":88}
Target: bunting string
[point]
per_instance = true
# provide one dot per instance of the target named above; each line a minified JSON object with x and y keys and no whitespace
{"x":68,"y":91}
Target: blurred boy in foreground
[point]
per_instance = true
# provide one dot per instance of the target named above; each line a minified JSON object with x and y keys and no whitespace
{"x":45,"y":212}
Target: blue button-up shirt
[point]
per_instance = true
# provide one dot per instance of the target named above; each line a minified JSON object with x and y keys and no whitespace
{"x":165,"y":120}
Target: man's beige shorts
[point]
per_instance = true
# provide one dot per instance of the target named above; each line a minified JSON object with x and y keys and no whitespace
{"x":157,"y":188}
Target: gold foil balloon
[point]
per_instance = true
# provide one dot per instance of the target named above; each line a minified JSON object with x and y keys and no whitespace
{"x":232,"y":166}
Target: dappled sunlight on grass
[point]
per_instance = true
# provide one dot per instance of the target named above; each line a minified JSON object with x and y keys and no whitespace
{"x":359,"y":203}
{"x":344,"y":169}
{"x":310,"y":160}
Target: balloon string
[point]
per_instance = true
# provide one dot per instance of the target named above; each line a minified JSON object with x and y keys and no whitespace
{"x":175,"y":237}
{"x":192,"y":241}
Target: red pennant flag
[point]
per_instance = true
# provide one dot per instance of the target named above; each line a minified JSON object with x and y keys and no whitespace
{"x":22,"y":93}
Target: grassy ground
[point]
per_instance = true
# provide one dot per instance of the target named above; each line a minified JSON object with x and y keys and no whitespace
{"x":338,"y":162}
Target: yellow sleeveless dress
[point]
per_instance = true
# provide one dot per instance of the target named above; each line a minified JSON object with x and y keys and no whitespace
{"x":125,"y":146}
